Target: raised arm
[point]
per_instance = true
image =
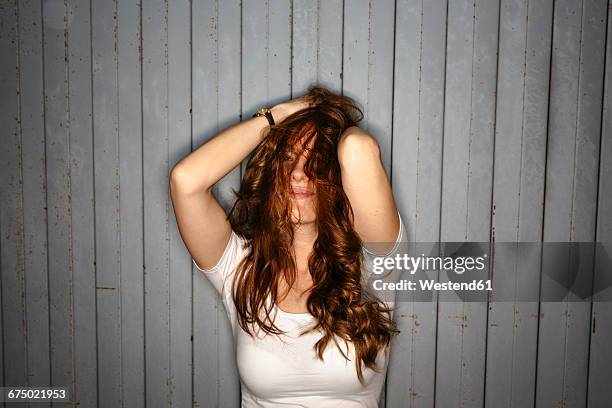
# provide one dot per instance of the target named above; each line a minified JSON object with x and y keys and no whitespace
{"x":366,"y":185}
{"x":202,"y":222}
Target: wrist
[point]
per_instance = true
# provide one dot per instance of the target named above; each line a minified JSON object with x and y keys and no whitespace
{"x":279,"y":113}
{"x":265,"y":113}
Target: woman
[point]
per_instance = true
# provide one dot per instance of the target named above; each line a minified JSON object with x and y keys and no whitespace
{"x":288,"y":259}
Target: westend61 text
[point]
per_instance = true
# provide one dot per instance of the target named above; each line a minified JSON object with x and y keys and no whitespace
{"x":430,"y":284}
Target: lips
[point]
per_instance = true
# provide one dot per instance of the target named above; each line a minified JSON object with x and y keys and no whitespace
{"x":301,"y":192}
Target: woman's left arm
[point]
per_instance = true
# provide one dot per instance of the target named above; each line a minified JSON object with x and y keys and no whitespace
{"x":366,"y":185}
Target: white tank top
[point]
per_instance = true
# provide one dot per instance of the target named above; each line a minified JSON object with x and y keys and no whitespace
{"x":284,"y":370}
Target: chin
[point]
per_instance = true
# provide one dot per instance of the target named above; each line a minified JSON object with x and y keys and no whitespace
{"x":306,"y":211}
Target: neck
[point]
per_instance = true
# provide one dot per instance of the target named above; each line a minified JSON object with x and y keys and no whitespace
{"x":304,"y":237}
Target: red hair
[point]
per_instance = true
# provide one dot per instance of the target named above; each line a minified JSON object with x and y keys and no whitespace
{"x":262,"y":215}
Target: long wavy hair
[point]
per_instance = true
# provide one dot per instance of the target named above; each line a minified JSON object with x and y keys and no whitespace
{"x":338,"y":300}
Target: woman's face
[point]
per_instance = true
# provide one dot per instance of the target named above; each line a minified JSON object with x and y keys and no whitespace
{"x":302,"y":190}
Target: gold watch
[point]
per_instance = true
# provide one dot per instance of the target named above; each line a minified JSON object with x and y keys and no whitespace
{"x":267,"y":113}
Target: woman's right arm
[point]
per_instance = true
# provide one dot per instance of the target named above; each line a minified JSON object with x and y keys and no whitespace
{"x":201,"y":221}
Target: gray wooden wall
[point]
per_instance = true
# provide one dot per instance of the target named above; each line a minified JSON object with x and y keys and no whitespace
{"x":494,"y":121}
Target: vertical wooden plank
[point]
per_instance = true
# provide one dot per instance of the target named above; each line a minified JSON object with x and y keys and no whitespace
{"x":453,"y":324}
{"x":206,"y":305}
{"x":266,"y":54}
{"x":255,"y":55}
{"x":584,"y":211}
{"x":518,"y":193}
{"x":216,"y":54}
{"x":34,"y":187}
{"x":278,"y":56}
{"x":355,"y":53}
{"x":368,"y":67}
{"x":305,"y":45}
{"x":575,"y":109}
{"x":317,"y":37}
{"x":329,"y":69}
{"x":466,"y":190}
{"x":263,"y":56}
{"x":211,"y":101}
{"x":131,"y":204}
{"x":106,"y":171}
{"x":482,"y":118}
{"x":179,"y":120}
{"x":82,"y":199}
{"x":56,"y":79}
{"x":600,"y":362}
{"x":401,"y":385}
{"x":228,"y":108}
{"x":425,"y":212}
{"x":559,"y":169}
{"x":380,"y":76}
{"x":155,"y":179}
{"x":420,"y":40}
{"x":11,"y":208}
{"x":228,"y":102}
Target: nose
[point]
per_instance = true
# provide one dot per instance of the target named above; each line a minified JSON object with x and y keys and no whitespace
{"x":297,"y":174}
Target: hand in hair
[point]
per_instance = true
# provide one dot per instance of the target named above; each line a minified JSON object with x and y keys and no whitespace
{"x":288,"y":108}
{"x":316,"y":95}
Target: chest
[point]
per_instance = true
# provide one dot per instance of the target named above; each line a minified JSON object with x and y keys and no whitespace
{"x":286,"y":365}
{"x":294,"y":299}
{"x":293,"y":304}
